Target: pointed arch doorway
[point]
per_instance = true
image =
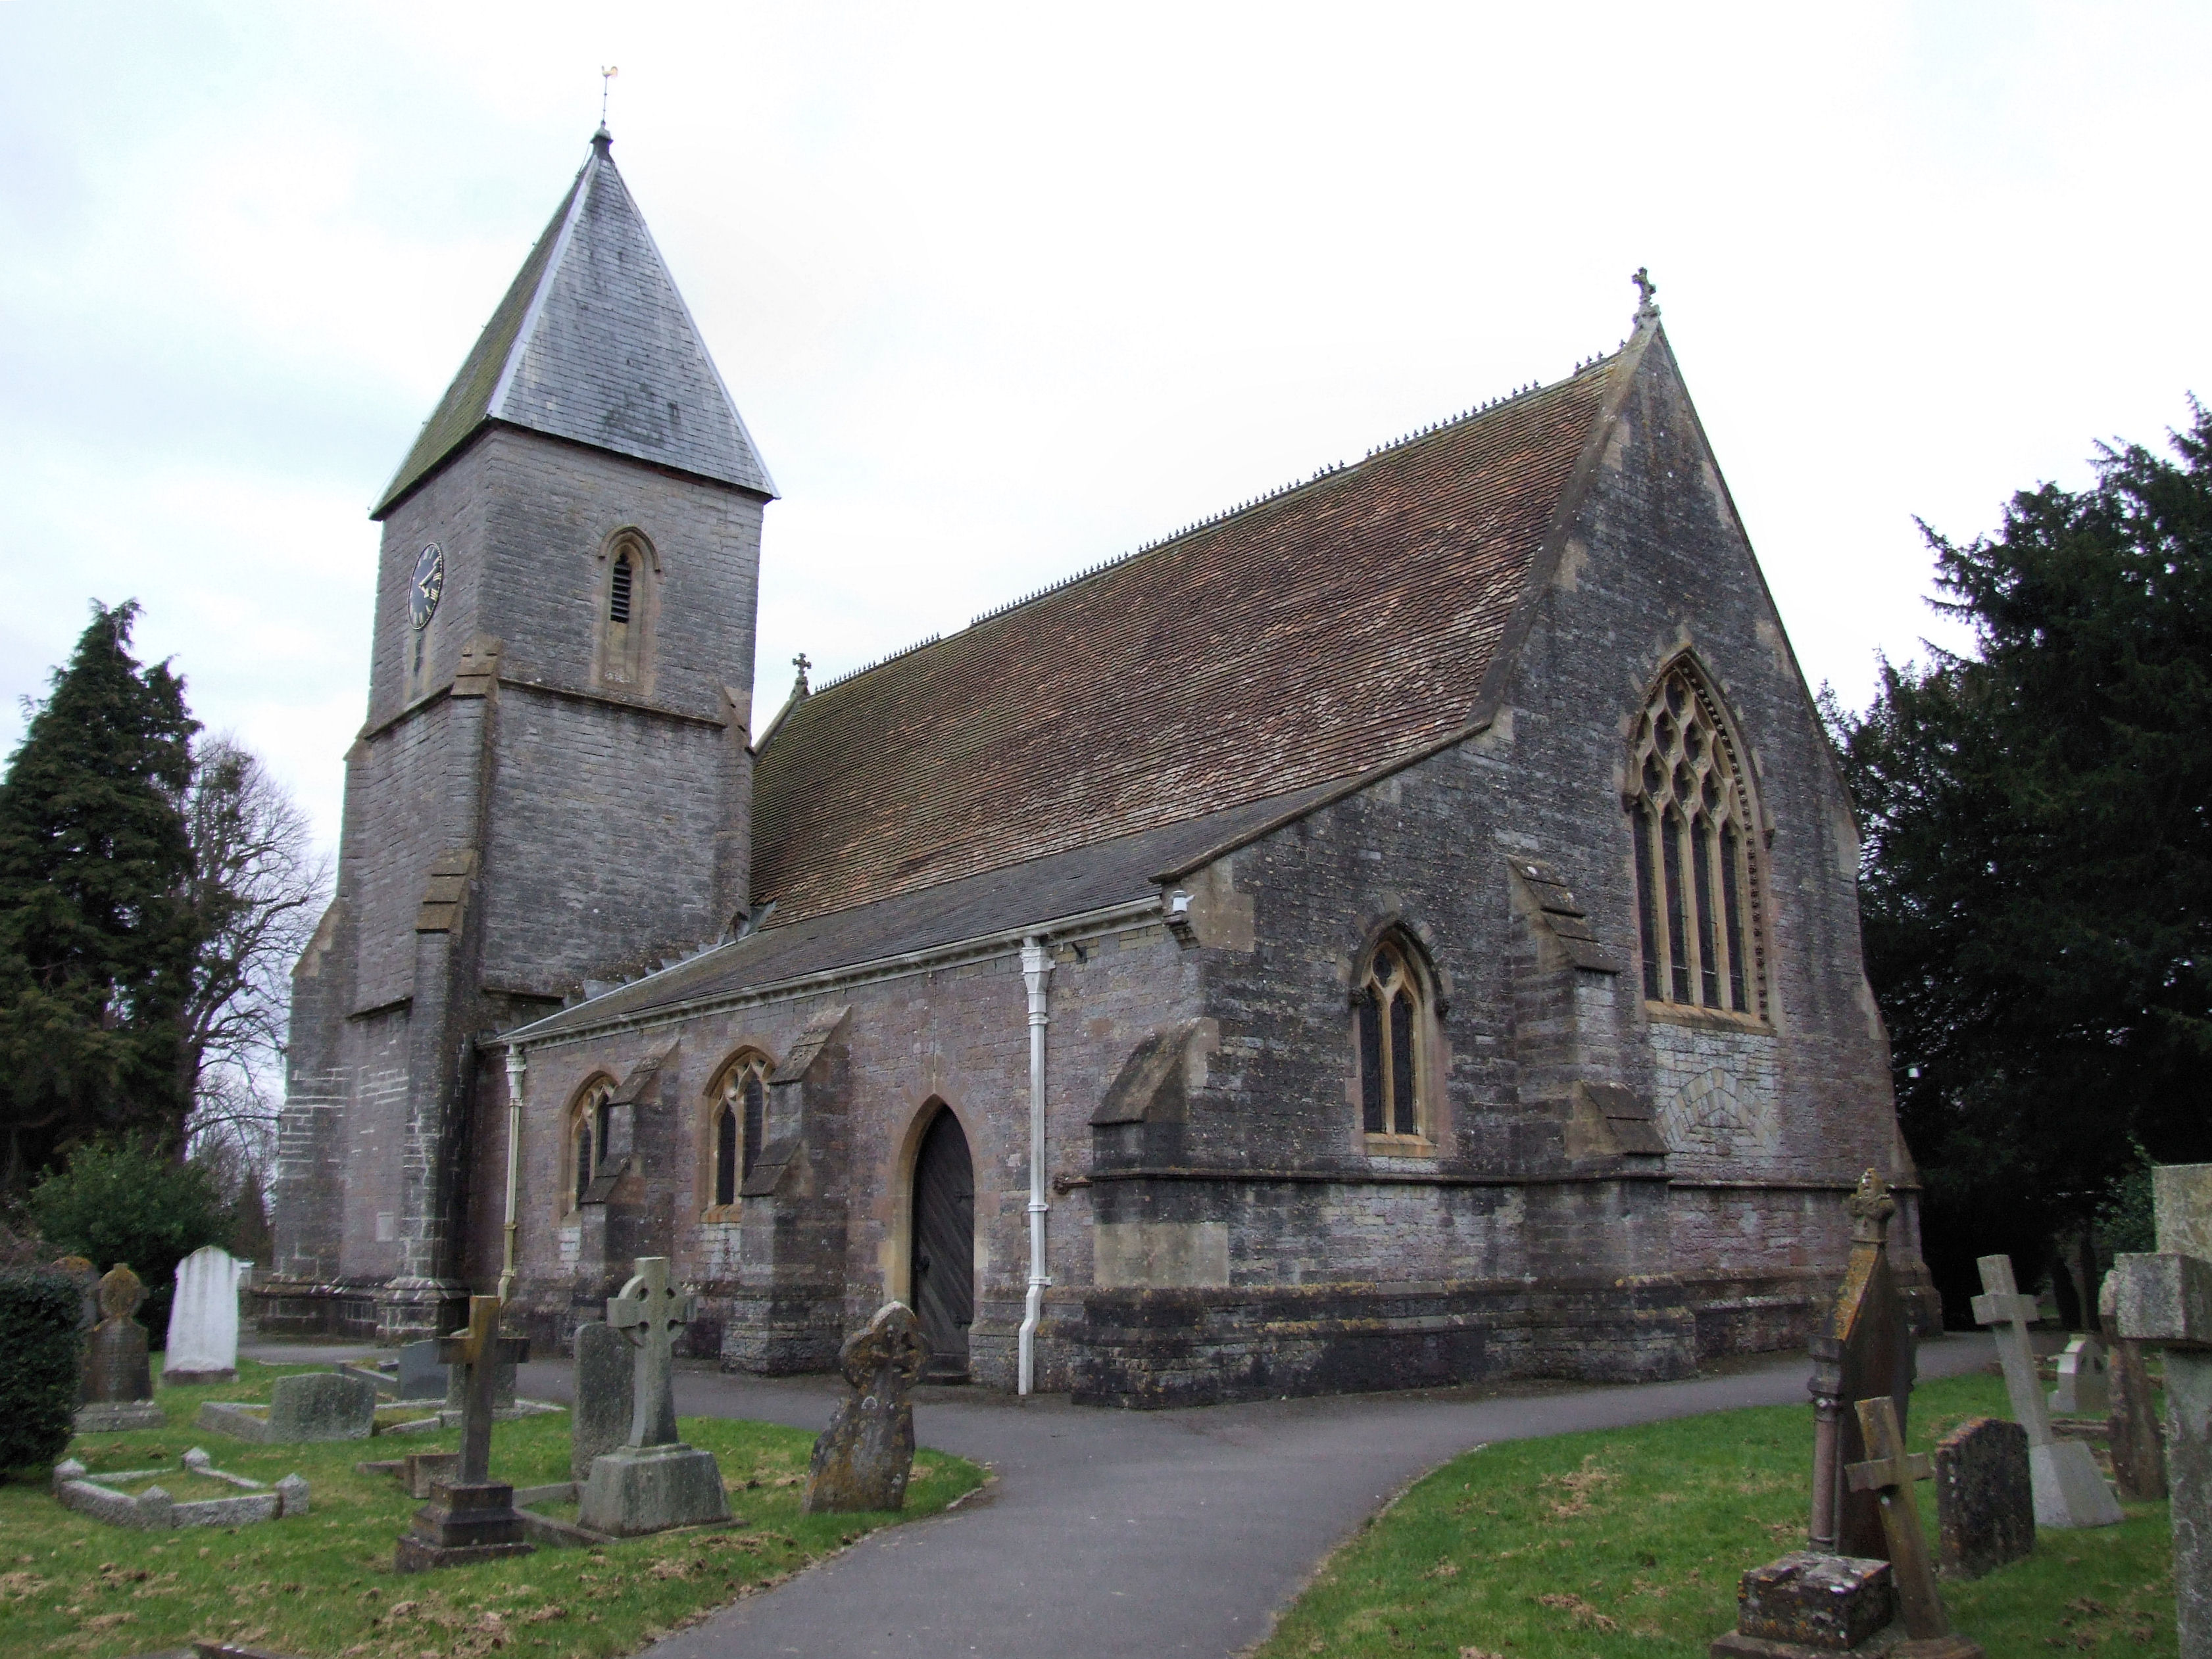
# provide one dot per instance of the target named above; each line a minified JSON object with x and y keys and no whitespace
{"x":943,"y":1244}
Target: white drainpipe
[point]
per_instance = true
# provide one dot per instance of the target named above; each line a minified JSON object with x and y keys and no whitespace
{"x":1036,"y":969}
{"x":516,"y":1066}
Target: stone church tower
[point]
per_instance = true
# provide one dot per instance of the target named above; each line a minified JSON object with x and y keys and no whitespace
{"x":553,"y":781}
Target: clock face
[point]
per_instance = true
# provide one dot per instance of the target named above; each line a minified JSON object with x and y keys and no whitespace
{"x":429,"y":582}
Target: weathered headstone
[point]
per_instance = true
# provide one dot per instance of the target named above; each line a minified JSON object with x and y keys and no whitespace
{"x":2069,"y":1490}
{"x":470,"y":1517}
{"x":119,"y":1377}
{"x":321,"y":1405}
{"x":202,"y":1345}
{"x":604,"y":1406}
{"x":1809,"y":1603}
{"x":1985,"y":1501}
{"x":502,"y":1387}
{"x":2137,"y":1443}
{"x":653,"y":1481}
{"x":422,"y":1375}
{"x":1888,"y":1472}
{"x":1863,"y":1352}
{"x":863,"y":1460}
{"x":2165,"y":1301}
{"x":2082,"y":1390}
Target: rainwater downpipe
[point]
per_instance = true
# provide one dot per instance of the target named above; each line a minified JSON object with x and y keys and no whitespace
{"x":1036,"y":970}
{"x":517,"y":1065}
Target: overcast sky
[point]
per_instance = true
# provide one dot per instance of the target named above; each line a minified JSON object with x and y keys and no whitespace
{"x":1004,"y":292}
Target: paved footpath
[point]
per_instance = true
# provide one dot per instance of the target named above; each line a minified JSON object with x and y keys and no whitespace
{"x":1110,"y":1532}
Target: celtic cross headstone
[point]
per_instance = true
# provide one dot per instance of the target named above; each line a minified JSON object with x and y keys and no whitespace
{"x":653,"y":1481}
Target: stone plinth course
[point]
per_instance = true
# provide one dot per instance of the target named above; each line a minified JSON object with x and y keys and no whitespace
{"x":153,"y":1510}
{"x":1984,"y":1499}
{"x":118,"y":1376}
{"x":653,"y":1481}
{"x":2069,"y":1490}
{"x":863,"y":1460}
{"x":324,"y":1405}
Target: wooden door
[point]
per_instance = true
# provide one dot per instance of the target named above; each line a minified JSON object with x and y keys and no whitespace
{"x":944,"y":1274}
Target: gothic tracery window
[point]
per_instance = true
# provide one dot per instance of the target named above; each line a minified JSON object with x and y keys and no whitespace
{"x":1696,"y":854}
{"x":587,"y":1135}
{"x":737,"y":1123}
{"x":1390,"y":1012}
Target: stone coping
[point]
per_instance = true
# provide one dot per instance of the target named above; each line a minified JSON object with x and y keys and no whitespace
{"x":153,"y":1510}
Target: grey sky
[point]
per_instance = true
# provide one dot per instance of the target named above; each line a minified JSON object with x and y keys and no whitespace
{"x":1002,"y":292}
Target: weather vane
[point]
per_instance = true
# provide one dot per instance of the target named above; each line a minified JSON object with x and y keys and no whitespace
{"x":607,"y":73}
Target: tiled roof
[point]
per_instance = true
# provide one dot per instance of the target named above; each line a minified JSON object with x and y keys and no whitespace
{"x":593,"y":344}
{"x":1304,"y":640}
{"x":1092,"y":878}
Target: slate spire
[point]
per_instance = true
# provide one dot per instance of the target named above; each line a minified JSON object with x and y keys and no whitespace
{"x":593,"y":344}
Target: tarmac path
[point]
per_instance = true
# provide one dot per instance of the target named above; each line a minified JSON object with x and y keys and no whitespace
{"x":1109,"y":1534}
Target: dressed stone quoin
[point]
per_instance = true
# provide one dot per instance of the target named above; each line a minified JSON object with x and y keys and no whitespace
{"x":1398,"y":930}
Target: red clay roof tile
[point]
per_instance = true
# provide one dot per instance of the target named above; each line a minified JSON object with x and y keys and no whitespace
{"x":1301,"y":640}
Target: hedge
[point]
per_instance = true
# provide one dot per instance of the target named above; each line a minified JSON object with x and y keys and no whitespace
{"x":43,"y":1349}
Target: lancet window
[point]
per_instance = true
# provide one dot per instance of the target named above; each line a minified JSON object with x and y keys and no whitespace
{"x":587,"y":1135}
{"x":737,"y":1123}
{"x":1697,"y":861}
{"x":1390,"y":1018}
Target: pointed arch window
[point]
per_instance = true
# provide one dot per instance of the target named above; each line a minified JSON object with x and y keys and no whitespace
{"x":1391,"y":1011}
{"x":586,"y":1142}
{"x":737,"y":1124}
{"x":1696,"y":870}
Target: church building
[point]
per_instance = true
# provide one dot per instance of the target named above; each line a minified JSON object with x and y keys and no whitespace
{"x":1397,"y":932}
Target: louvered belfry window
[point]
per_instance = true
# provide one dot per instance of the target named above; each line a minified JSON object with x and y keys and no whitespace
{"x":1696,"y":870}
{"x":1388,"y":1012}
{"x":619,"y":588}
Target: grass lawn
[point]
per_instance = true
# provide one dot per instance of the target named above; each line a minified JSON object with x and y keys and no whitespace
{"x":322,"y":1584}
{"x":1631,"y":1541}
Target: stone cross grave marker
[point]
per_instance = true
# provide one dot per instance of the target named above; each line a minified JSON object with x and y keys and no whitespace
{"x":118,"y":1378}
{"x":2082,"y":1390}
{"x":863,"y":1460}
{"x":470,"y":1517}
{"x":1888,"y":1473}
{"x":2165,"y":1301}
{"x":1863,"y":1350}
{"x":652,"y":1481}
{"x":2069,"y":1490}
{"x":650,"y":1311}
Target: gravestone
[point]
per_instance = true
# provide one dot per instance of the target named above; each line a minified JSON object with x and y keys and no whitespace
{"x":202,"y":1345}
{"x":1863,"y":1352}
{"x":2165,"y":1301}
{"x":1888,"y":1472}
{"x":2082,"y":1390}
{"x":863,"y":1460}
{"x":119,"y":1377}
{"x":1985,"y":1501}
{"x":2137,"y":1443}
{"x":502,"y":1387}
{"x":2069,"y":1490}
{"x":422,"y":1375}
{"x":470,"y":1517}
{"x":653,"y":1481}
{"x":321,"y":1405}
{"x":1809,"y":1603}
{"x":603,"y":1405}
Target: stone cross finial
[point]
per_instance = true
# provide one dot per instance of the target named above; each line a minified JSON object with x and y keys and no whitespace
{"x":481,"y":1350}
{"x":121,"y":1292}
{"x":1645,"y":288}
{"x":649,"y":1310}
{"x":1888,"y":1472}
{"x":802,"y":664}
{"x":1870,"y":1207}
